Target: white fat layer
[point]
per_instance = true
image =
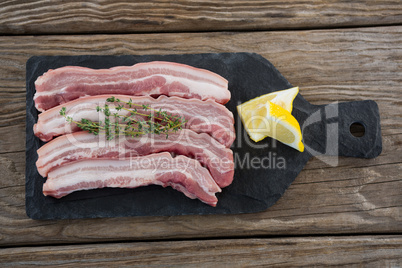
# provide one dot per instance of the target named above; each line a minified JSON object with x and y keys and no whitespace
{"x":139,"y":178}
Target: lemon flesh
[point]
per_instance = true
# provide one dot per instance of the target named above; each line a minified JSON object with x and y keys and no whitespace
{"x":263,"y":118}
{"x":283,"y":98}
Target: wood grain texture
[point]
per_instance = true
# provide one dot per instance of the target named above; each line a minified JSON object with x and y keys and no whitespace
{"x":379,"y":251}
{"x":355,"y":196}
{"x":108,"y":16}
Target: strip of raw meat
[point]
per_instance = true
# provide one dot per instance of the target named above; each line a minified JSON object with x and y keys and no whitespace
{"x":181,"y":173}
{"x":83,"y":145}
{"x":202,"y":116}
{"x":151,"y":78}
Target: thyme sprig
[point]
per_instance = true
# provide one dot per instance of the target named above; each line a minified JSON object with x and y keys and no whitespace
{"x":129,"y":119}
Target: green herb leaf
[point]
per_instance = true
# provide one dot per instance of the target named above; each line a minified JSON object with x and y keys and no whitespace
{"x":131,"y":124}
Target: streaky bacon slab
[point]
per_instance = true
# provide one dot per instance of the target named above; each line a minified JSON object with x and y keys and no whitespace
{"x":181,"y":173}
{"x":151,"y":78}
{"x":83,"y":145}
{"x":202,"y":116}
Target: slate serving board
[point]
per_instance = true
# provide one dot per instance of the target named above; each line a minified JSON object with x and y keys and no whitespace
{"x":263,"y":171}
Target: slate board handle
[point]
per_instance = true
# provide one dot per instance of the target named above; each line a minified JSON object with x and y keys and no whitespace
{"x":330,"y":126}
{"x":366,"y":114}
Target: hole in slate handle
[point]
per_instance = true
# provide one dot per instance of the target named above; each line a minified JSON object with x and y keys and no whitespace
{"x":357,"y":129}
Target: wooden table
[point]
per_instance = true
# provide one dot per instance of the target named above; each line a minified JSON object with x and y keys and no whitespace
{"x":334,"y":50}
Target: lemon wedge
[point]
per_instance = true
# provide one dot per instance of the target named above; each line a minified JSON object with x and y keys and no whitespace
{"x":283,"y":98}
{"x":262,"y":118}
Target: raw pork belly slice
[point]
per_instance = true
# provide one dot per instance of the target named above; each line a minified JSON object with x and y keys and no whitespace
{"x":181,"y":173}
{"x":83,"y":145}
{"x":202,"y":116}
{"x":151,"y":78}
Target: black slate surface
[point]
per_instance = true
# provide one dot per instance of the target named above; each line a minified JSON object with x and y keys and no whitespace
{"x":263,"y":171}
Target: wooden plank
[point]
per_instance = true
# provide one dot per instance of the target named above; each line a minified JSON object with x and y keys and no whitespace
{"x":56,"y":17}
{"x":356,"y":196}
{"x":378,"y":251}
